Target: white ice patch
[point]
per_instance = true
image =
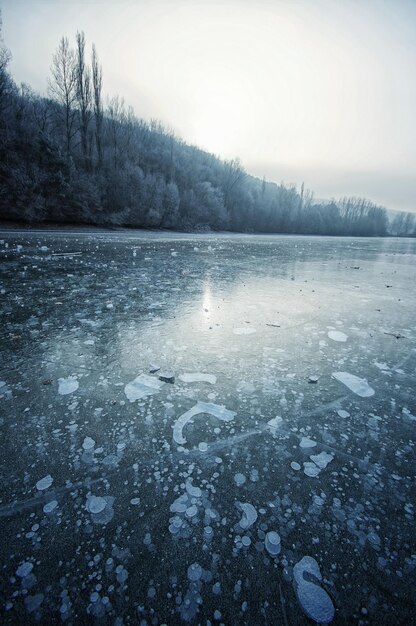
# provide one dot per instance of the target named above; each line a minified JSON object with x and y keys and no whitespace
{"x":359,"y":386}
{"x":245,"y":330}
{"x":337,"y":335}
{"x":67,"y":385}
{"x":382,"y":366}
{"x":198,"y":377}
{"x":275,"y":423}
{"x":88,"y":443}
{"x":142,"y":386}
{"x":249,"y":514}
{"x":44,"y":483}
{"x":322,"y":459}
{"x":215,"y":410}
{"x":305,"y":442}
{"x":314,"y":600}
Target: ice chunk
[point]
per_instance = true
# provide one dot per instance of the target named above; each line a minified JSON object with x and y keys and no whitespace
{"x":96,"y":504}
{"x":67,"y":385}
{"x":310,"y":469}
{"x":167,"y":376}
{"x":245,"y":330}
{"x":305,"y":442}
{"x":198,"y":377}
{"x":142,"y":386}
{"x":249,"y":514}
{"x":272,"y":543}
{"x":358,"y":385}
{"x":337,"y":335}
{"x":322,"y":459}
{"x":44,"y":483}
{"x":215,"y":410}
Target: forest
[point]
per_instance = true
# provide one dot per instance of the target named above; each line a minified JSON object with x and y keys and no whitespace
{"x":73,"y":157}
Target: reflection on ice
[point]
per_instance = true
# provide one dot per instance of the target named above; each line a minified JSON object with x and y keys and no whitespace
{"x":127,"y":499}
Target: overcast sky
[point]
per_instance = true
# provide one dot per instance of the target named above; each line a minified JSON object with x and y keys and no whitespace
{"x":320,"y":91}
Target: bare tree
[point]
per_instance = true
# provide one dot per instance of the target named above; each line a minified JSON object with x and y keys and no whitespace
{"x":83,"y":93}
{"x":63,"y":87}
{"x":5,"y":57}
{"x":97,"y":83}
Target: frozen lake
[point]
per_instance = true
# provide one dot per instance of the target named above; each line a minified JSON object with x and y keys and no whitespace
{"x":288,"y":432}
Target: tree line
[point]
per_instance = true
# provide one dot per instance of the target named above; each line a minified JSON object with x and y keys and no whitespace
{"x":71,"y":157}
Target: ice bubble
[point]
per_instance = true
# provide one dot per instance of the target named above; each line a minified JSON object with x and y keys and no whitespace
{"x":357,"y":385}
{"x":343,"y":413}
{"x":135,"y":501}
{"x":32,"y":603}
{"x":50,"y":506}
{"x":295,"y":466}
{"x":198,"y":377}
{"x":315,"y":602}
{"x":96,"y":504}
{"x":193,"y":491}
{"x":272,"y":543}
{"x":337,"y":335}
{"x":24,"y":569}
{"x":142,"y":386}
{"x":191,"y":511}
{"x":249,"y":514}
{"x":311,"y":470}
{"x":200,"y":407}
{"x":307,"y":443}
{"x":88,"y":443}
{"x":203,"y":447}
{"x":239,"y":479}
{"x":67,"y":385}
{"x":44,"y":483}
{"x":195,"y":572}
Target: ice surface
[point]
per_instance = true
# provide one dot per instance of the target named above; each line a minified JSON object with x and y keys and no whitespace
{"x":348,"y":501}
{"x":215,"y":410}
{"x":358,"y":385}
{"x":142,"y":386}
{"x":244,"y":330}
{"x":67,"y":385}
{"x":337,"y":335}
{"x":198,"y":378}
